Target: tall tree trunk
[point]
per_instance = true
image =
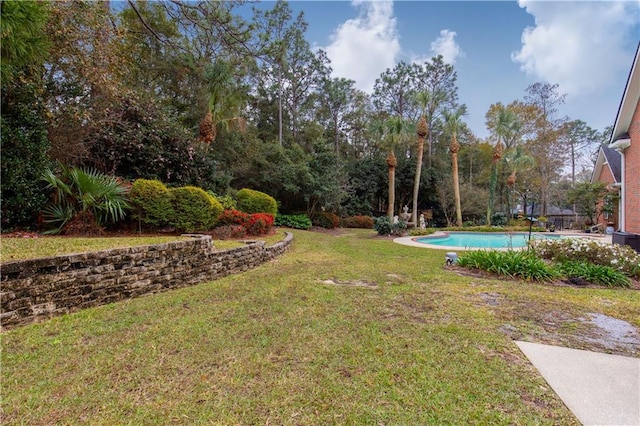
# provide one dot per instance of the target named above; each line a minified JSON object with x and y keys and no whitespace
{"x":492,"y":190}
{"x":497,"y":155}
{"x":429,"y":152}
{"x":280,"y":105}
{"x":422,"y":131}
{"x":416,"y":182}
{"x":336,"y":137}
{"x":391,"y":163}
{"x":456,"y":188}
{"x":454,"y":148}
{"x":511,"y":181}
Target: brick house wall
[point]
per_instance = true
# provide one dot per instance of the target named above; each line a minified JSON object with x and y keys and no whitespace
{"x":632,"y":175}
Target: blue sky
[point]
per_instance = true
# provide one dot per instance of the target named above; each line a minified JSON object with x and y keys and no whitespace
{"x":498,"y":48}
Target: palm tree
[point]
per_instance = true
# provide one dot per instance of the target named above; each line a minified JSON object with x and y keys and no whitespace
{"x":421,"y":130}
{"x":505,"y":124}
{"x":453,"y":123}
{"x":497,"y":155}
{"x":515,"y":159}
{"x":391,"y":132}
{"x":223,"y":101}
{"x":392,"y":162}
{"x":428,"y":102}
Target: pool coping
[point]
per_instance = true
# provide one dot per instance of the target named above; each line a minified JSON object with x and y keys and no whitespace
{"x":411,"y":241}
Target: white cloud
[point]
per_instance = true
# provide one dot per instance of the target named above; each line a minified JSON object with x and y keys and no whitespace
{"x":364,"y":47}
{"x":579,"y":45}
{"x":446,"y":46}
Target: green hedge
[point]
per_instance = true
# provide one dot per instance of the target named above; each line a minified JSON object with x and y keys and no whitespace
{"x":151,"y":203}
{"x":194,"y":209}
{"x":251,"y":201}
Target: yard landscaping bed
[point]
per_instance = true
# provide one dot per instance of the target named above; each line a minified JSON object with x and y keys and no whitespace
{"x":343,"y":329}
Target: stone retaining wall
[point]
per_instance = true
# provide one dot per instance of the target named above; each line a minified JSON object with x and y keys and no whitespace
{"x":36,"y":289}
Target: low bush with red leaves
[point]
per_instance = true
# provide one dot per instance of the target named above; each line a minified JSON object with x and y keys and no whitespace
{"x":260,"y":224}
{"x":226,"y":232}
{"x":326,"y":220}
{"x":252,"y":224}
{"x":365,"y":222}
{"x":234,"y":217}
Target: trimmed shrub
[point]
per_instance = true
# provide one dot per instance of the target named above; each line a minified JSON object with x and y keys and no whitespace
{"x":365,"y":222}
{"x":251,"y":201}
{"x":383,"y":226}
{"x":151,"y":202}
{"x":325,"y":220}
{"x":194,"y":209}
{"x":227,"y":201}
{"x":295,"y":221}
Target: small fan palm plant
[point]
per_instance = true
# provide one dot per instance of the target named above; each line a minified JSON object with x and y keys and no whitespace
{"x":86,"y":197}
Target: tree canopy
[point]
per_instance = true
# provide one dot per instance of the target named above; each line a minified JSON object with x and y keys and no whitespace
{"x":224,"y":96}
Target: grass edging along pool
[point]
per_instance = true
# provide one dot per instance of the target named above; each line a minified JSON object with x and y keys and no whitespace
{"x":37,"y":289}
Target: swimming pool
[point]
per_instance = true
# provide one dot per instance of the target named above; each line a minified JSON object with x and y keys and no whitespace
{"x":481,"y":240}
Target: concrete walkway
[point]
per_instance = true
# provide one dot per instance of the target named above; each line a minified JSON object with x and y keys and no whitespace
{"x":600,"y":389}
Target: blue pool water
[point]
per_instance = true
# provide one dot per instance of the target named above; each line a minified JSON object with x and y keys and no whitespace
{"x":482,"y":240}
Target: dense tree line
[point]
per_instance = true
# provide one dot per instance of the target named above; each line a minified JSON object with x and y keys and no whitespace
{"x":195,"y":93}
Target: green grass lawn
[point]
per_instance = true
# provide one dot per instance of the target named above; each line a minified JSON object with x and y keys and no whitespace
{"x":44,"y":246}
{"x":342,"y":329}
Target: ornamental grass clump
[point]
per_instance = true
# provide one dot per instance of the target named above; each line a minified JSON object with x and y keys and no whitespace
{"x":595,"y":274}
{"x":517,"y":264}
{"x":621,"y":258}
